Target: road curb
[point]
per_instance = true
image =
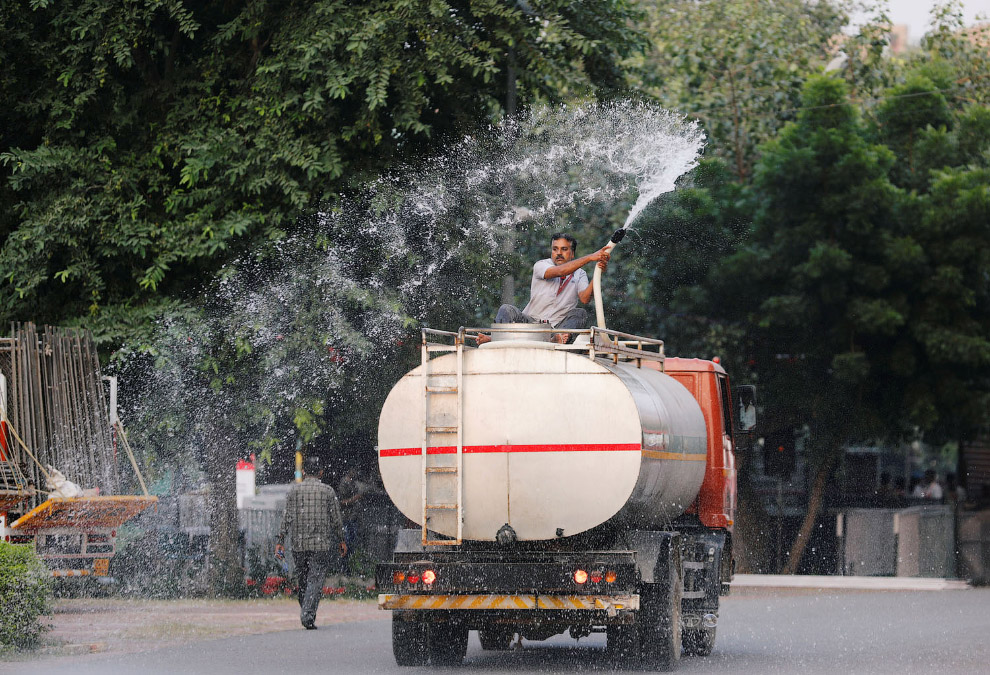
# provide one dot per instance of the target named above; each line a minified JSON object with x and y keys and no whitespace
{"x":851,"y":582}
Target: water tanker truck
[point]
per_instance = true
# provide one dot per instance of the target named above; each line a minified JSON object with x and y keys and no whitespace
{"x":577,"y":488}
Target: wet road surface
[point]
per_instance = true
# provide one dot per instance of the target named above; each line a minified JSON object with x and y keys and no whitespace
{"x":767,"y":632}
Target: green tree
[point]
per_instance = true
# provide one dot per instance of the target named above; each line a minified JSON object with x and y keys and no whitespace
{"x":737,"y":65}
{"x":25,"y":591}
{"x":865,"y":304}
{"x":963,"y":49}
{"x":814,"y":286}
{"x":155,"y":147}
{"x":943,"y":154}
{"x":148,"y":144}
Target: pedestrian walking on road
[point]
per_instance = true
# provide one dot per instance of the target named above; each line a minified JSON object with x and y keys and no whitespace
{"x":316,"y":533}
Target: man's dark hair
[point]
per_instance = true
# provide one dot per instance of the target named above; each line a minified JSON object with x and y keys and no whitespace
{"x":570,"y":240}
{"x":311,"y":465}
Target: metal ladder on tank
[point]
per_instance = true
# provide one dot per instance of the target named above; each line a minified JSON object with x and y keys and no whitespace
{"x":433,"y":432}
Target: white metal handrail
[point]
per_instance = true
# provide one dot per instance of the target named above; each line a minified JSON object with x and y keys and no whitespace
{"x":601,"y":341}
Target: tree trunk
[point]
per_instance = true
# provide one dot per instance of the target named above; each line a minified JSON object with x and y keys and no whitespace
{"x":751,"y":541}
{"x":226,"y":574}
{"x":815,"y":500}
{"x":509,"y":243}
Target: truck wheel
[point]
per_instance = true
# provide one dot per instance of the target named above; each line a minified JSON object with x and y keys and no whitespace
{"x":622,"y":645}
{"x":409,"y":640}
{"x":448,"y":643}
{"x":496,"y":638}
{"x":698,"y":641}
{"x":660,"y":625}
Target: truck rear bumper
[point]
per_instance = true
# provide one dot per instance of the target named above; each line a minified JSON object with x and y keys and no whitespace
{"x":611,"y":605}
{"x":479,"y":574}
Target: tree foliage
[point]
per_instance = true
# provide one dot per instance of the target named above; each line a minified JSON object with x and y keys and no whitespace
{"x":25,"y":593}
{"x":151,"y":142}
{"x":737,"y":65}
{"x":864,"y":303}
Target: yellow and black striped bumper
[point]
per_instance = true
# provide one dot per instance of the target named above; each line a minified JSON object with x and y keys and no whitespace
{"x":598,"y":603}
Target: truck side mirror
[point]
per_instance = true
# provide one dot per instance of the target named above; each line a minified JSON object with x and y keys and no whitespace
{"x":746,"y":407}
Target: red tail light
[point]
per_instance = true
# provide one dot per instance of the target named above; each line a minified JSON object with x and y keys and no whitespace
{"x":596,"y":577}
{"x":580,"y":577}
{"x":429,"y":576}
{"x":413,"y":578}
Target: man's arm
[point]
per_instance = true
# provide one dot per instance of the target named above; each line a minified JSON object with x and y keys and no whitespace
{"x":584,"y":295}
{"x":566,"y":268}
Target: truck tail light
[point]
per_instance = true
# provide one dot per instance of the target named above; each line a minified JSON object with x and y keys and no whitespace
{"x":580,"y":577}
{"x":596,"y":577}
{"x":610,"y":577}
{"x":429,"y":576}
{"x":413,"y":578}
{"x":398,"y":577}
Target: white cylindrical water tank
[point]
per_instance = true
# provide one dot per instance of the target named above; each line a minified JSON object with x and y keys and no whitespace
{"x":554,"y":443}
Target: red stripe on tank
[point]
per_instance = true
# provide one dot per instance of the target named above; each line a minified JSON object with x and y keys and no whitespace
{"x":451,"y":449}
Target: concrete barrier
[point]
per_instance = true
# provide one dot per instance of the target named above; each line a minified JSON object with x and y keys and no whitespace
{"x":926,"y":541}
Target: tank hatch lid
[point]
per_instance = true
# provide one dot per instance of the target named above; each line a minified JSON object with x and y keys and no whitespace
{"x":83,"y":512}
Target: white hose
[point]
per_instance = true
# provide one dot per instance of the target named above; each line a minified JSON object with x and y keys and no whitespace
{"x":597,"y":279}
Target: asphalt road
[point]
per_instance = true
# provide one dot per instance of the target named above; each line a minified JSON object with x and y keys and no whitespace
{"x":767,"y":632}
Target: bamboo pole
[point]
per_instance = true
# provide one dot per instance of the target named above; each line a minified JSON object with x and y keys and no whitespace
{"x":60,"y":439}
{"x":17,"y":437}
{"x":47,"y":386}
{"x":85,"y":405}
{"x":40,"y":435}
{"x":101,"y":409}
{"x":24,"y":398}
{"x":130,"y":455}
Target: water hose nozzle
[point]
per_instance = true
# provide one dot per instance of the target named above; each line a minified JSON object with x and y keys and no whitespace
{"x":618,"y":235}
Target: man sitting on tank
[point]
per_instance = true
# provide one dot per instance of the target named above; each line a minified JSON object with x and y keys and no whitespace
{"x":558,"y":283}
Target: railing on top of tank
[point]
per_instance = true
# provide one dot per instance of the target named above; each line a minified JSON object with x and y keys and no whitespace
{"x":627,"y":345}
{"x":591,"y":341}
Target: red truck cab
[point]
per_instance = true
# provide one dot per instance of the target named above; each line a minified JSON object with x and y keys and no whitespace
{"x":709,"y":384}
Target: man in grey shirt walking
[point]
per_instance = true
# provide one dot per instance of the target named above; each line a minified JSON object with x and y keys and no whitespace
{"x":313,"y":524}
{"x":557,"y":284}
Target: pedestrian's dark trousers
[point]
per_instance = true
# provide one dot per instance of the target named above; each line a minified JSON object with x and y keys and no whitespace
{"x":311,"y":567}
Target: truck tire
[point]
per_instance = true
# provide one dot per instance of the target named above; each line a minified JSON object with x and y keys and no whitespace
{"x":698,"y":641}
{"x":496,"y":638}
{"x":448,"y":643}
{"x":409,"y":642}
{"x":660,"y":624}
